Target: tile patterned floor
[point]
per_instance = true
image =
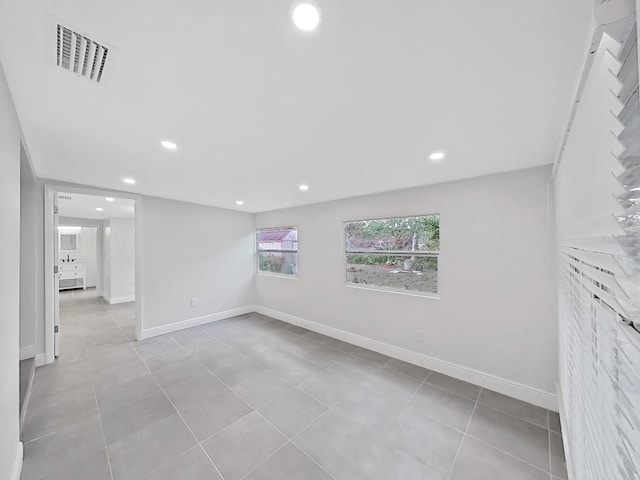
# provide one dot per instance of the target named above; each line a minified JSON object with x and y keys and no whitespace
{"x":257,"y":399}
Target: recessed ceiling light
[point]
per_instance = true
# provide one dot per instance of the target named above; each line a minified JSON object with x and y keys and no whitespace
{"x":239,"y":202}
{"x":168,"y":145}
{"x":99,"y":209}
{"x":306,"y":17}
{"x":304,"y":188}
{"x":109,"y":199}
{"x":437,"y":156}
{"x":130,"y":181}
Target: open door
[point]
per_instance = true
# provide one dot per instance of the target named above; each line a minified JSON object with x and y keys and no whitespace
{"x":56,"y":279}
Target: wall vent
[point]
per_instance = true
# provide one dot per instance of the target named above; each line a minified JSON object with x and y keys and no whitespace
{"x":80,"y":54}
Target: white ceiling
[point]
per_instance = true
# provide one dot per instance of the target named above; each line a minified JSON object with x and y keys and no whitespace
{"x":258,"y":108}
{"x":84,"y":206}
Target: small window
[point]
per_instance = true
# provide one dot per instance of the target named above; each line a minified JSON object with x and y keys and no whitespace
{"x":397,"y":254}
{"x":278,"y":250}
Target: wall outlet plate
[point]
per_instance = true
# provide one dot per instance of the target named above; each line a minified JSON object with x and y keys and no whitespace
{"x":194,"y":302}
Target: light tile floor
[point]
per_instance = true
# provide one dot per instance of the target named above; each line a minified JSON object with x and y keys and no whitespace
{"x":254,"y":398}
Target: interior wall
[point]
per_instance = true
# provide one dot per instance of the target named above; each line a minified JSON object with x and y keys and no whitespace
{"x":10,"y":137}
{"x":192,"y":251}
{"x":122,"y":260}
{"x":106,"y":260}
{"x":495,"y":313}
{"x":31,"y":262}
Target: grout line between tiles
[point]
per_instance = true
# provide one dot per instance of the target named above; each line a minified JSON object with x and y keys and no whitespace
{"x":463,"y":435}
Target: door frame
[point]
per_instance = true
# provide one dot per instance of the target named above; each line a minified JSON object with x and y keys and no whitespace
{"x":50,"y":190}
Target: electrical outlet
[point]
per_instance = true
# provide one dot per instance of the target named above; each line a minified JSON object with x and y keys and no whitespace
{"x":194,"y":302}
{"x":419,"y":336}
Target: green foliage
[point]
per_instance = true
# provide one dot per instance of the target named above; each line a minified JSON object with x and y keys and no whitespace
{"x":270,"y":262}
{"x":409,"y":233}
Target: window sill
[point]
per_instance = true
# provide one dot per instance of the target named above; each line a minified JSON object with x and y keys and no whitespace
{"x":277,"y":275}
{"x":408,"y":293}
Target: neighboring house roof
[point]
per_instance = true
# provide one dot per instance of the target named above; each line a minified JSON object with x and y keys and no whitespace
{"x":265,"y":236}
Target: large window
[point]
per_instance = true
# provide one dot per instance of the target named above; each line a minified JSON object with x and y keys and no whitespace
{"x":278,"y":250}
{"x":399,"y":254}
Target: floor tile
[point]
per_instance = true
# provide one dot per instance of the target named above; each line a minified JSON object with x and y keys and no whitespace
{"x":53,"y":453}
{"x":511,"y":435}
{"x":194,"y":464}
{"x":407,"y":369}
{"x":371,"y":356}
{"x":323,"y":356}
{"x":190,"y":336}
{"x":291,"y":464}
{"x":432,"y":443}
{"x":243,"y":445}
{"x":293,"y":411}
{"x":180,"y":372}
{"x":327,"y":387}
{"x":480,"y":461}
{"x":138,"y":454}
{"x":558,"y":465}
{"x":95,"y":467}
{"x":59,"y":410}
{"x":444,"y":406}
{"x":369,"y":409}
{"x":165,"y":359}
{"x":517,"y":408}
{"x":335,"y":442}
{"x":385,"y":463}
{"x":353,"y":368}
{"x":454,"y":385}
{"x":317,"y":337}
{"x":187,"y":393}
{"x":393,"y":385}
{"x":122,"y":394}
{"x":155,"y":346}
{"x":210,"y":415}
{"x":390,"y":419}
{"x":261,"y":388}
{"x":341,"y":346}
{"x":554,"y":422}
{"x":121,"y":423}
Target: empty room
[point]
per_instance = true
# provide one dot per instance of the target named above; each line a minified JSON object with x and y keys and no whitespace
{"x":319,"y":240}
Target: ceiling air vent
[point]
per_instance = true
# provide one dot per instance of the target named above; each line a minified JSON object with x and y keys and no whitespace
{"x":80,"y":54}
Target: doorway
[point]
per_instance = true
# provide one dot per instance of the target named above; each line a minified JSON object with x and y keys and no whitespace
{"x":91,"y":247}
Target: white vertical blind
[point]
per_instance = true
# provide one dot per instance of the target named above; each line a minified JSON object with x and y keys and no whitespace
{"x":597,"y":200}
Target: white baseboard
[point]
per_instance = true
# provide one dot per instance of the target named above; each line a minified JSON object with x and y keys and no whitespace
{"x":17,"y":465}
{"x":194,"y":322}
{"x":513,"y":389}
{"x":114,"y":300}
{"x":28,"y":352}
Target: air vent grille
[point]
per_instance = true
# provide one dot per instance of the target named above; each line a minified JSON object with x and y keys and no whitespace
{"x":80,"y":54}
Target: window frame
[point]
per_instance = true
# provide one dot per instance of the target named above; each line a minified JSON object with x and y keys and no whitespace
{"x":259,"y":250}
{"x":396,"y":253}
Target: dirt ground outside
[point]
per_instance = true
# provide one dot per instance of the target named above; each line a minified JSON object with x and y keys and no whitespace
{"x":391,"y":276}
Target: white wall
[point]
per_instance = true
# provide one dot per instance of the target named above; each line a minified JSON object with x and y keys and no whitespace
{"x":106,"y":260}
{"x":192,"y":251}
{"x":31,"y":262}
{"x":121,"y":254}
{"x":10,"y":137}
{"x":495,"y":312}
